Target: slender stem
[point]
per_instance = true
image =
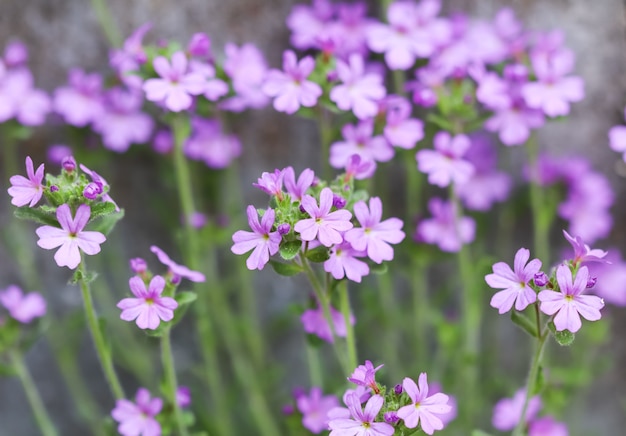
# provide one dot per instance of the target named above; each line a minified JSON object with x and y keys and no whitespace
{"x":41,"y":415}
{"x":344,"y":303}
{"x":389,"y":303}
{"x":315,"y":367}
{"x":102,"y":348}
{"x":107,"y":23}
{"x":326,"y":137}
{"x":541,"y":222}
{"x":399,"y":80}
{"x":167,"y":358}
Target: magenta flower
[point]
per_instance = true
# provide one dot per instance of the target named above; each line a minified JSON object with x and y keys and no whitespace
{"x":247,"y":68}
{"x":183,"y":396}
{"x":137,"y":419}
{"x":323,"y":224}
{"x":444,"y":229}
{"x":314,"y":408}
{"x":23,"y":308}
{"x":514,"y":283}
{"x":426,"y":410}
{"x":261,"y":239}
{"x":176,"y":85}
{"x":80,"y":103}
{"x":214,"y":88}
{"x":582,"y":252}
{"x":359,"y":140}
{"x":314,"y":322}
{"x":291,"y":88}
{"x":149,"y":308}
{"x":569,"y":304}
{"x":176,"y":269}
{"x":359,"y":91}
{"x":362,"y":422}
{"x":547,"y":426}
{"x":445,"y":164}
{"x":402,"y":130}
{"x":507,"y":411}
{"x":27,"y":190}
{"x":610,"y":278}
{"x":102,"y":184}
{"x":374,"y":236}
{"x":343,"y":262}
{"x":514,"y":123}
{"x":71,"y":237}
{"x":210,"y":144}
{"x":20,"y":100}
{"x":297,"y":189}
{"x":365,"y":375}
{"x":272,"y":183}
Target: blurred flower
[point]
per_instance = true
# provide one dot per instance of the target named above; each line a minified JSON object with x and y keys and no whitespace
{"x":208,"y":143}
{"x":445,"y":164}
{"x":80,"y":103}
{"x":314,"y":408}
{"x":444,"y":229}
{"x":611,"y":284}
{"x":547,"y":426}
{"x":137,"y":419}
{"x":23,"y":307}
{"x":314,"y":322}
{"x":247,"y":69}
{"x":507,"y":411}
{"x":177,"y":270}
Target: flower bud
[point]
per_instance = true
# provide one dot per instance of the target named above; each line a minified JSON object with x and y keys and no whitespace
{"x":288,"y":409}
{"x":92,"y":190}
{"x":397,"y":389}
{"x":283,"y":229}
{"x":200,"y":46}
{"x":391,"y":417}
{"x":197,"y":220}
{"x":541,"y":279}
{"x":16,"y":54}
{"x":138,"y":265}
{"x":591,"y":282}
{"x":54,"y":188}
{"x":338,"y":201}
{"x":176,"y":279}
{"x":68,"y":163}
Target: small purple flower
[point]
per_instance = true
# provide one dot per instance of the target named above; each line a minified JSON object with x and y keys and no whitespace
{"x":247,"y":69}
{"x":179,"y":271}
{"x":183,"y":396}
{"x":20,"y":100}
{"x":23,"y":308}
{"x":359,"y":91}
{"x":314,"y":408}
{"x":68,"y":164}
{"x":514,"y":123}
{"x":444,"y":229}
{"x":272,"y":183}
{"x":149,"y":308}
{"x":514,"y":283}
{"x":27,"y":190}
{"x":80,"y":103}
{"x":359,"y":140}
{"x":547,"y":426}
{"x":362,"y":421}
{"x":359,"y":168}
{"x":92,"y":190}
{"x":402,"y":130}
{"x":57,"y":152}
{"x":507,"y":411}
{"x":291,"y":88}
{"x":617,"y":139}
{"x":200,"y":46}
{"x":611,"y":277}
{"x":569,"y":304}
{"x":297,"y":189}
{"x":425,"y":410}
{"x":325,"y":225}
{"x":374,"y":236}
{"x":102,"y":183}
{"x":582,"y":252}
{"x":131,"y":55}
{"x":365,"y":375}
{"x":137,"y":419}
{"x":209,"y":143}
{"x":175,"y":85}
{"x":445,"y":164}
{"x":138,"y":265}
{"x":314,"y":322}
{"x":343,"y":262}
{"x":71,"y":237}
{"x":541,"y":279}
{"x":261,"y":239}
{"x":163,"y":142}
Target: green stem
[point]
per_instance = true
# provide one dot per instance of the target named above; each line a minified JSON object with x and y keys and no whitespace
{"x":326,"y":137}
{"x":315,"y":367}
{"x":102,"y":348}
{"x":41,"y":415}
{"x":344,"y":303}
{"x":390,"y":311}
{"x":167,"y":358}
{"x":107,"y":23}
{"x":541,"y":222}
{"x":399,"y":80}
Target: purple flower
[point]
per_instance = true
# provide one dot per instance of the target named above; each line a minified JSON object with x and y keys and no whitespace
{"x":447,"y":418}
{"x":176,"y":85}
{"x":314,"y":408}
{"x":365,"y":375}
{"x":23,"y":308}
{"x":247,"y":69}
{"x":617,"y":139}
{"x":20,"y":100}
{"x":547,"y":426}
{"x":425,"y":410}
{"x":514,"y":283}
{"x":80,"y":103}
{"x":214,"y":88}
{"x":132,"y":54}
{"x":200,"y":46}
{"x":58,"y":152}
{"x":16,"y":54}
{"x":27,"y":190}
{"x":291,"y":88}
{"x":163,"y":141}
{"x":183,"y":396}
{"x":325,"y":225}
{"x":138,"y":265}
{"x":358,"y":168}
{"x":445,"y":164}
{"x":359,"y":91}
{"x":71,"y":238}
{"x":569,"y":304}
{"x":343,"y":262}
{"x":402,"y":130}
{"x":362,"y":422}
{"x":177,"y":270}
{"x":297,"y":189}
{"x":137,"y":419}
{"x":582,"y":252}
{"x":261,"y":239}
{"x":210,"y":144}
{"x":149,"y":308}
{"x":314,"y":322}
{"x":611,"y":277}
{"x":444,"y":229}
{"x":99,"y":180}
{"x":307,"y":23}
{"x":374,"y":236}
{"x":272,"y":183}
{"x":507,"y":411}
{"x":514,"y":123}
{"x":359,"y":140}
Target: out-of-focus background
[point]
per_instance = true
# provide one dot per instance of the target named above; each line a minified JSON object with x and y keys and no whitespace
{"x":62,"y":34}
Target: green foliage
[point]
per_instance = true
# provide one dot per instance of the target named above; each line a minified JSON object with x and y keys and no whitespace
{"x":525,"y":323}
{"x":38,"y":215}
{"x":289,"y":249}
{"x":318,"y":254}
{"x":285,"y":269}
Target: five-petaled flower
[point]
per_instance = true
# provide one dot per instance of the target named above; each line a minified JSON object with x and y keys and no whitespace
{"x":323,"y":224}
{"x":362,"y":422}
{"x":71,"y":236}
{"x":424,"y":410}
{"x":27,"y":190}
{"x":149,"y":308}
{"x":261,"y":239}
{"x":137,"y":419}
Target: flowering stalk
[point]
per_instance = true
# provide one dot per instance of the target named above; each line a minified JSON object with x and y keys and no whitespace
{"x":107,"y":23}
{"x":169,"y":369}
{"x":344,"y":304}
{"x":326,"y":137}
{"x":541,"y":222}
{"x":102,"y":349}
{"x":41,"y":415}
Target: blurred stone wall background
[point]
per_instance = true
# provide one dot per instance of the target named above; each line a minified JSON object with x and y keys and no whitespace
{"x":62,"y":34}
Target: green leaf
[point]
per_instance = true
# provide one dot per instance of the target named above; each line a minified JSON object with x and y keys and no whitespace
{"x":159,"y":331}
{"x":318,"y":254}
{"x":285,"y":269}
{"x":102,"y":209}
{"x":440,"y":122}
{"x":379,"y":268}
{"x":37,"y":215}
{"x":79,"y":276}
{"x":106,"y":223}
{"x":481,"y":433}
{"x":564,"y":338}
{"x":540,"y":382}
{"x":184,"y":298}
{"x":290,"y":249}
{"x":523,"y":322}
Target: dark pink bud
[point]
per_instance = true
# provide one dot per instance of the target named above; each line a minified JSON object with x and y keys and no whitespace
{"x":68,"y":163}
{"x":163,"y":142}
{"x":424,"y":97}
{"x":391,"y":417}
{"x":591,"y":282}
{"x":397,"y":389}
{"x":301,"y":209}
{"x":338,"y":201}
{"x":138,"y":265}
{"x":92,"y":190}
{"x":288,"y":409}
{"x":200,"y":46}
{"x":54,"y":188}
{"x":298,"y":392}
{"x":197,"y":220}
{"x":284,"y":228}
{"x":176,"y":279}
{"x":541,"y":279}
{"x":332,"y":76}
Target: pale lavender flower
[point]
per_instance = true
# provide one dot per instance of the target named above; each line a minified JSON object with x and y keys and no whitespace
{"x":513,"y":282}
{"x":324,"y":225}
{"x":362,"y":421}
{"x":359,"y":140}
{"x":200,"y":46}
{"x":569,"y":304}
{"x":183,"y":396}
{"x":425,"y":410}
{"x":446,"y":418}
{"x":132,"y":53}
{"x":617,"y":139}
{"x":307,"y":23}
{"x":149,"y":308}
{"x":163,"y":141}
{"x":374,"y":235}
{"x":176,"y":85}
{"x":27,"y":190}
{"x":16,"y":54}
{"x":291,"y":88}
{"x":507,"y":411}
{"x":314,"y":322}
{"x":444,"y":229}
{"x":214,"y":88}
{"x":582,"y":252}
{"x":297,"y":189}
{"x":547,"y":426}
{"x":365,"y":375}
{"x":272,"y":183}
{"x":359,"y":168}
{"x":80,"y":103}
{"x":349,"y":32}
{"x":261,"y":239}
{"x":343,"y":262}
{"x":247,"y":69}
{"x":138,"y":265}
{"x":514,"y":123}
{"x":208,"y":143}
{"x":20,"y":100}
{"x":314,"y":408}
{"x":177,"y":270}
{"x":137,"y":419}
{"x":359,"y":91}
{"x":445,"y":164}
{"x":23,"y":307}
{"x":401,"y":130}
{"x":611,"y":278}
{"x":71,"y":237}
